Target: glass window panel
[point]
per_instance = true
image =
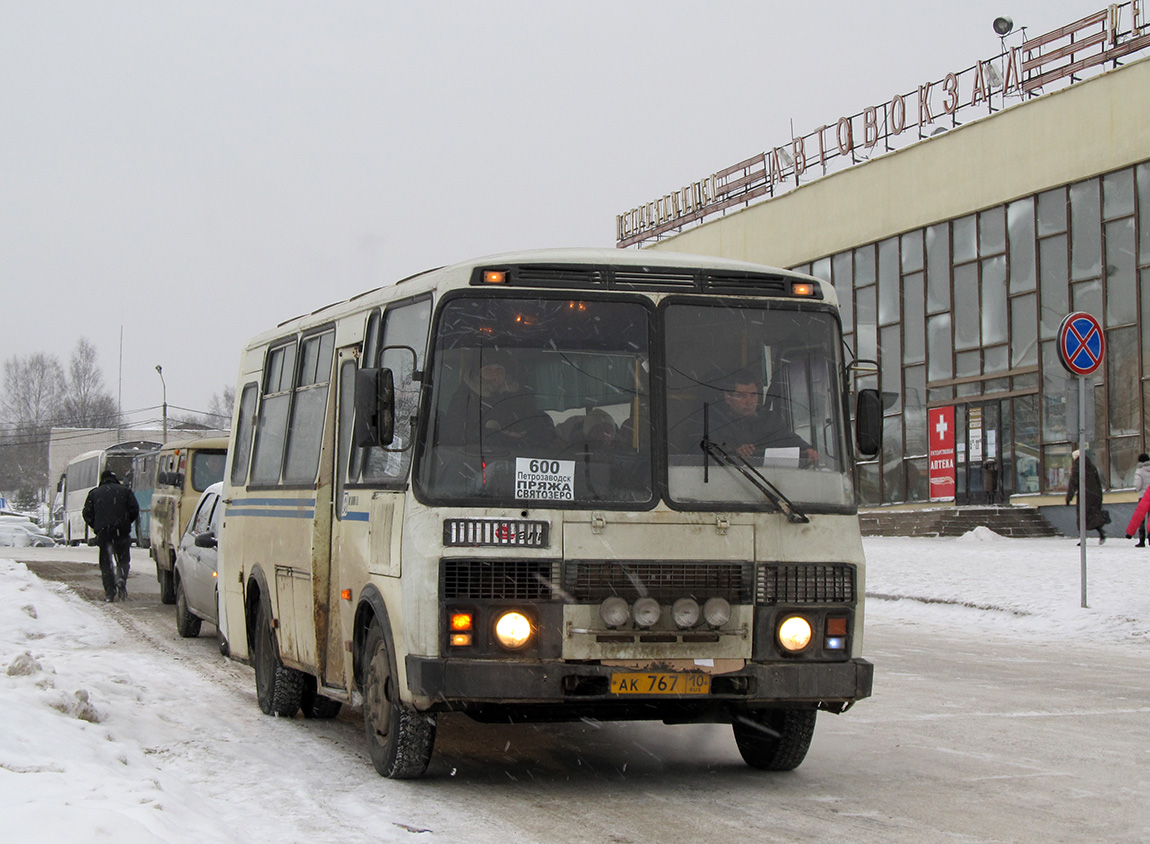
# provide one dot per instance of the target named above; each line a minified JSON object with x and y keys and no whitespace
{"x":1020,"y":220}
{"x":994,"y":385}
{"x":914,"y":321}
{"x":1123,"y":462}
{"x":912,"y":256}
{"x":270,"y":432}
{"x":1143,"y":171}
{"x":866,"y":333}
{"x":841,"y":264}
{"x":994,"y":313}
{"x":917,"y":480}
{"x":914,"y":410}
{"x":1052,"y":278}
{"x":1023,"y":331}
{"x":968,"y":364}
{"x":1085,"y":231}
{"x":966,"y":310}
{"x":1121,"y":291}
{"x":1056,"y":462}
{"x":938,"y":394}
{"x":1117,"y":194}
{"x":821,"y":269}
{"x":869,"y":490}
{"x":1026,"y":454}
{"x":805,"y":269}
{"x":940,"y":347}
{"x":244,"y":426}
{"x":965,"y":231}
{"x":306,"y":434}
{"x":888,"y":282}
{"x":937,"y":269}
{"x":974,"y":388}
{"x":864,"y":265}
{"x":1087,"y":296}
{"x":1055,"y":384}
{"x":994,"y":360}
{"x":891,"y":365}
{"x":1052,"y":212}
{"x":1026,"y":382}
{"x":992,"y":231}
{"x":893,"y":485}
{"x":1122,"y":381}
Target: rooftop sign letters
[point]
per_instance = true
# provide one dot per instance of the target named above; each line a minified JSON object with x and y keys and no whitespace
{"x":1057,"y":57}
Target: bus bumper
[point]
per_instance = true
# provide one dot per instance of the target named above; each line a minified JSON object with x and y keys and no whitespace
{"x":464,"y":681}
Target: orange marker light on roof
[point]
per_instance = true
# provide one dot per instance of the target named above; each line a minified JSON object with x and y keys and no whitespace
{"x":802,"y":288}
{"x":494,"y":277}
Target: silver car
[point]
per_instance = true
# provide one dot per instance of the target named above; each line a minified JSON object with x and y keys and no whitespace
{"x":195,"y":569}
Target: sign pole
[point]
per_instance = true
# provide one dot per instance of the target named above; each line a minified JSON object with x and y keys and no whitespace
{"x":1082,"y":480}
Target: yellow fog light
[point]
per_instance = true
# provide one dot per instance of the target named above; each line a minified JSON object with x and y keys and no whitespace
{"x":513,"y":630}
{"x":795,"y":634}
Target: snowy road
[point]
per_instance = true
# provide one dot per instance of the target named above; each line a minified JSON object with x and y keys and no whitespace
{"x":978,"y":731}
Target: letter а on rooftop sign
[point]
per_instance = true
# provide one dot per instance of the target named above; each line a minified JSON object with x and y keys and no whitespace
{"x":1081,"y":343}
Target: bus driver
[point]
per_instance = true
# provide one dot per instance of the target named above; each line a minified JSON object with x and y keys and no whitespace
{"x":747,"y":427}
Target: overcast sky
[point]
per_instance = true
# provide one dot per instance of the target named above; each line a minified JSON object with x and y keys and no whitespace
{"x":194,"y":173}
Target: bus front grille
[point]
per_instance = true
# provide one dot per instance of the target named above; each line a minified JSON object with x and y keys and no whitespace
{"x":666,"y":581}
{"x":805,"y":583}
{"x":484,"y":580}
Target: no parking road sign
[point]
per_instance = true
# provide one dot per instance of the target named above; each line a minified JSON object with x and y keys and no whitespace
{"x":1081,"y":343}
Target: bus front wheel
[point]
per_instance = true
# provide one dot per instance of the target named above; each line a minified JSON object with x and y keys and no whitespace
{"x":399,"y":739}
{"x":774,"y":739}
{"x":279,"y":689}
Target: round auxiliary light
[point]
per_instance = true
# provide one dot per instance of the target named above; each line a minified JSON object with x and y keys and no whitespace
{"x":647,"y":612}
{"x":685,"y":612}
{"x":513,"y":630}
{"x":795,"y":634}
{"x":717,"y":611}
{"x":614,"y":611}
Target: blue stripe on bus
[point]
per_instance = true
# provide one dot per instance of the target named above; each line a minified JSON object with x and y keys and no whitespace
{"x":276,"y":514}
{"x":277,"y":502}
{"x":356,"y":516}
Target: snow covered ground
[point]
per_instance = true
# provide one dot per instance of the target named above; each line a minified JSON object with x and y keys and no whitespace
{"x":103,"y":739}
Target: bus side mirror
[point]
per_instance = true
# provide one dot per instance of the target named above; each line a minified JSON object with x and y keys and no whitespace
{"x":868,"y":422}
{"x":374,"y":407}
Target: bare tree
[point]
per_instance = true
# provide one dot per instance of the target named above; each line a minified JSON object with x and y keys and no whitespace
{"x":221,"y":408}
{"x":33,"y":391}
{"x":86,"y":404}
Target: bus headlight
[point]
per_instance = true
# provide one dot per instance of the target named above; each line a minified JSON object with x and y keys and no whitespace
{"x":615,"y":612}
{"x":685,"y":612}
{"x":647,"y":612}
{"x":513,"y":630}
{"x":795,"y":633}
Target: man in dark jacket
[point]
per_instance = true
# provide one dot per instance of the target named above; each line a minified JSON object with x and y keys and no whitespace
{"x":111,"y":510}
{"x":1091,"y":488}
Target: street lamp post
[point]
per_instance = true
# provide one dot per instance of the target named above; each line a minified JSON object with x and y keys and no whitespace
{"x":160,"y":371}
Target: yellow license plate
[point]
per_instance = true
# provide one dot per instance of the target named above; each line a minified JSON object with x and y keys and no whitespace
{"x":660,"y":684}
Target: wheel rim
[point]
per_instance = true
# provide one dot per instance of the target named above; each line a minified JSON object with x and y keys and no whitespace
{"x":376,"y":704}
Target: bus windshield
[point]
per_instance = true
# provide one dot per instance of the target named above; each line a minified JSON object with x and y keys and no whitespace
{"x":754,"y":397}
{"x":540,"y":401}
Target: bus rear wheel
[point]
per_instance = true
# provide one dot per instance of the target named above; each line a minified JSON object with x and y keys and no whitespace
{"x":399,"y":739}
{"x":167,"y":585}
{"x":774,"y":739}
{"x":279,"y":689}
{"x":315,"y":705}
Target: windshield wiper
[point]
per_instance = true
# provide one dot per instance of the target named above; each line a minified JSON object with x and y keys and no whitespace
{"x":756,"y":478}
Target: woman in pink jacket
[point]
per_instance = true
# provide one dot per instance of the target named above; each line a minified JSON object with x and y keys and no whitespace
{"x":1138,"y":520}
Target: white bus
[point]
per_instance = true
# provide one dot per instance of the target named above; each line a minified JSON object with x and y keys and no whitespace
{"x":83,"y":473}
{"x":517,"y":488}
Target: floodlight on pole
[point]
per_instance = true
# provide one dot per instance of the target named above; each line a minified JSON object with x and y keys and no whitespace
{"x":160,"y":372}
{"x":1003,"y":26}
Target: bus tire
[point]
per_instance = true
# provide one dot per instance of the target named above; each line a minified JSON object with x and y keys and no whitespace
{"x":278,"y":689}
{"x":399,"y":739}
{"x":774,"y":739}
{"x":187,"y":624}
{"x":167,"y":585}
{"x":315,"y":705}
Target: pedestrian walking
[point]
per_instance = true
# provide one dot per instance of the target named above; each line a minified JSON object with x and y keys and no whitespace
{"x":1092,"y":488}
{"x":110,"y":510}
{"x":1141,"y":484}
{"x":1138,"y":520}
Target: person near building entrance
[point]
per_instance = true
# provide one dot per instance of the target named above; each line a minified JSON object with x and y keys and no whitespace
{"x":1091,"y":487}
{"x":110,"y":510}
{"x":1141,"y":484}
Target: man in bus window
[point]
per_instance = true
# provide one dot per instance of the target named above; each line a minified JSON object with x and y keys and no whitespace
{"x":746,"y":427}
{"x":492,"y":409}
{"x":110,"y":510}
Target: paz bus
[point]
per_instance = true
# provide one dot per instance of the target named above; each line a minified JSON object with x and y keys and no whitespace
{"x":505,"y":488}
{"x":82,"y":474}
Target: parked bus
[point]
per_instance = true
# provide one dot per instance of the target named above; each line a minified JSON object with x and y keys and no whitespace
{"x":83,"y":473}
{"x":143,"y":485}
{"x":184,"y":470}
{"x":506,"y":488}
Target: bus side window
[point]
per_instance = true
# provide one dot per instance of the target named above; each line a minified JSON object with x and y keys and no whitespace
{"x":243,"y":440}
